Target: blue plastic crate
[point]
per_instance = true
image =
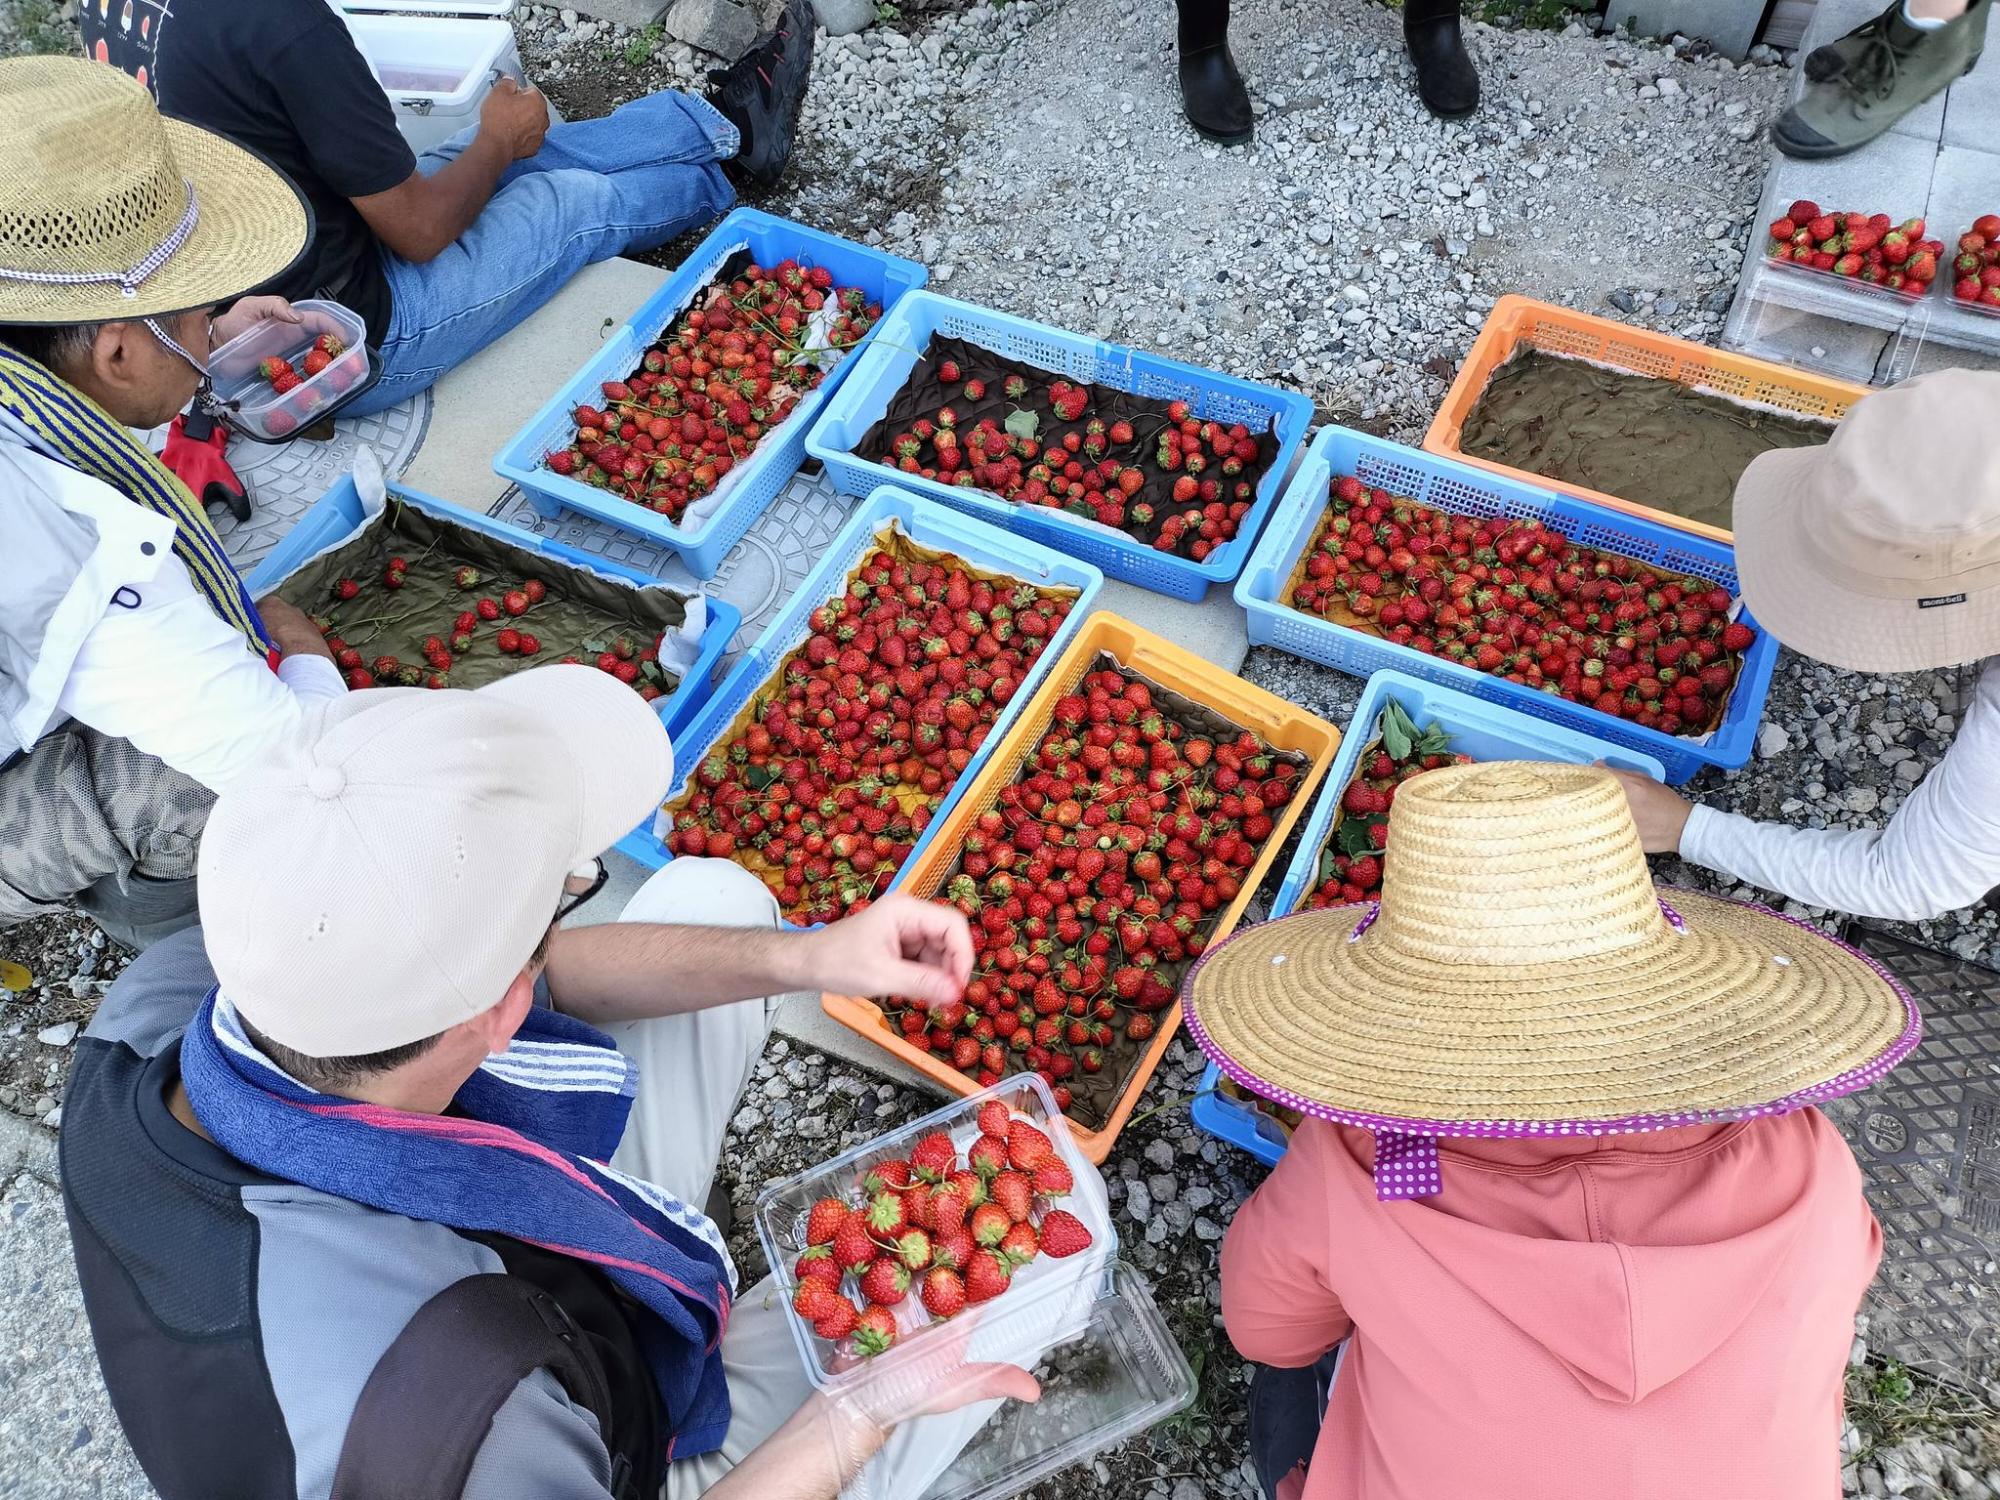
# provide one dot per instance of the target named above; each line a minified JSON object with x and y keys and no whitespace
{"x":885,"y":278}
{"x":904,"y":335}
{"x":335,"y":516}
{"x":1449,"y":485}
{"x":931,"y":526}
{"x":1484,"y":731}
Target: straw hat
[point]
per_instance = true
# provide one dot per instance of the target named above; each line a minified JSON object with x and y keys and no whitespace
{"x":107,"y":210}
{"x":1521,"y":976}
{"x":1880,"y":550}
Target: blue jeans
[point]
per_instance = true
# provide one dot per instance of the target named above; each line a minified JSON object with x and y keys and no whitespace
{"x":629,"y":181}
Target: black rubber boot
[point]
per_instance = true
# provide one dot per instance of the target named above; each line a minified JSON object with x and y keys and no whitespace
{"x":760,"y":94}
{"x":1447,"y":82}
{"x":1212,"y":92}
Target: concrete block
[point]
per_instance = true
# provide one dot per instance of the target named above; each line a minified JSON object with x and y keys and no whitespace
{"x":633,"y":13}
{"x":1972,"y":110}
{"x":722,"y":27}
{"x":1730,"y":26}
{"x":844,"y":17}
{"x":1891,"y":176}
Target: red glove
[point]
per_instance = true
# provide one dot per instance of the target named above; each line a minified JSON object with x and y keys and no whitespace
{"x":194,"y":452}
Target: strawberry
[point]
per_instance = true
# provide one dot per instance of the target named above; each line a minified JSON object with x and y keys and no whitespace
{"x":1736,"y":636}
{"x":913,"y":1248}
{"x":993,"y":1115}
{"x":332,"y":345}
{"x":886,"y":1282}
{"x":838,"y":1321}
{"x":514,"y":602}
{"x":346,"y":588}
{"x":948,"y":1209}
{"x":285,"y":381}
{"x":535,"y":589}
{"x":1013,"y":1192}
{"x":466,"y":578}
{"x":948,"y":372}
{"x":943,"y":1293}
{"x":270,"y":369}
{"x":509,"y":641}
{"x":824,"y":1220}
{"x":988,"y":1155}
{"x":934,"y":1157}
{"x":487,"y":609}
{"x":987,"y":1277}
{"x":815,"y":1299}
{"x":953,"y":1250}
{"x":1027,"y":1147}
{"x":887,"y":1177}
{"x":315,"y":361}
{"x":875,"y":1332}
{"x":885,"y":1215}
{"x":816,"y":1263}
{"x":1020,"y":1245}
{"x":989,"y":1222}
{"x":1063,"y":1234}
{"x":853,"y":1248}
{"x":1052,"y":1179}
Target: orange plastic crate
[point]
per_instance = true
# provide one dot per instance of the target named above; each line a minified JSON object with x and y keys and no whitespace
{"x":1279,"y":724}
{"x":1518,"y":321}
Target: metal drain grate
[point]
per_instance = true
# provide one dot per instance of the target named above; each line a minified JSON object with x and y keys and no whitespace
{"x":1928,"y":1138}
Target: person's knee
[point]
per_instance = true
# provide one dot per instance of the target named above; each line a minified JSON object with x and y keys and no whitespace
{"x":703,"y":893}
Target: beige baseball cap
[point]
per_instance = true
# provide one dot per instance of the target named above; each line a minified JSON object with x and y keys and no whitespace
{"x":386,"y":877}
{"x":1880,"y":550}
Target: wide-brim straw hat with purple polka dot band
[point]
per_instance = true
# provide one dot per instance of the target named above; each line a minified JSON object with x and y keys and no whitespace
{"x":1523,"y":976}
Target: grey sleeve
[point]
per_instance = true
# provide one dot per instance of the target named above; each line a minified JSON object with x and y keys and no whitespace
{"x":542,"y":1444}
{"x":152,"y":1002}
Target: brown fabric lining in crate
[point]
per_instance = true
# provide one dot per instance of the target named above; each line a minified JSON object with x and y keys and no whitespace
{"x":905,"y":549}
{"x":1094,"y":1095}
{"x":1346,"y":618}
{"x":580,"y":606}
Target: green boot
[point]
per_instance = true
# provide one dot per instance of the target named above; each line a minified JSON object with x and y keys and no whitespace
{"x":1883,"y":70}
{"x":1831,"y":60}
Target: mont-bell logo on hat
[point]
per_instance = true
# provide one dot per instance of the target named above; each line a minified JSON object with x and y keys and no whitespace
{"x":1939,"y":601}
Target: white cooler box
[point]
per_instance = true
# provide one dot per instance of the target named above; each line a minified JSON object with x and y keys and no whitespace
{"x":436,"y":69}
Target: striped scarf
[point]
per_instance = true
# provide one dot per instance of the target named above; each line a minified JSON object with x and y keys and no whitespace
{"x":522,"y":1154}
{"x":63,"y":424}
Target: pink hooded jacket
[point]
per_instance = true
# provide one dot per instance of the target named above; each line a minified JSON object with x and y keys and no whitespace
{"x":1639,"y":1317}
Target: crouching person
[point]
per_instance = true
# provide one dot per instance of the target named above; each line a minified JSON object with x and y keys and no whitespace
{"x":380,"y":1184}
{"x":1564,"y":1205}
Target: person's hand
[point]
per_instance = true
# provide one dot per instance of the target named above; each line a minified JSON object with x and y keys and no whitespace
{"x":1660,"y":811}
{"x":898,"y":946}
{"x":290,"y":631}
{"x":515,"y":116}
{"x":247,"y":313}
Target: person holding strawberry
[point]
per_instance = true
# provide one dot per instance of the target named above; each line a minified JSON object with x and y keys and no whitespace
{"x":136,"y":672}
{"x":1562,"y":1199}
{"x":444,"y":253}
{"x":1874,"y":554}
{"x":385,"y":1181}
{"x":1218,"y":105}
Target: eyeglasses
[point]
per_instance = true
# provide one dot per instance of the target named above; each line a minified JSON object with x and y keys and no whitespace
{"x":578,"y":887}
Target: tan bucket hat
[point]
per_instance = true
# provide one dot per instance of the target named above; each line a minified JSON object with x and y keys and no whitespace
{"x":1522,"y":976}
{"x":108,"y":210}
{"x":1880,"y":551}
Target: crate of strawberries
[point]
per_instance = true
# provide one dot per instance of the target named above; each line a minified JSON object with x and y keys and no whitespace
{"x":1975,"y":267}
{"x":1120,"y":827}
{"x":694,"y":413}
{"x":824,"y":758}
{"x":275,"y":379}
{"x":421,"y":594}
{"x":1870,"y":252}
{"x":1402,"y":726}
{"x":1160,"y":473}
{"x":1382,"y":557}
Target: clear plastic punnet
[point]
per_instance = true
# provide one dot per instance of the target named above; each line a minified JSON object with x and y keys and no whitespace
{"x":250,"y":404}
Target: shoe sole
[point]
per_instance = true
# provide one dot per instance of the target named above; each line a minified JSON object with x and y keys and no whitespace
{"x":1219,"y":137}
{"x":1829,"y":152}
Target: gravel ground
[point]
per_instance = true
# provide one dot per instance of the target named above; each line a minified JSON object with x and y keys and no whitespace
{"x":1351,"y":253}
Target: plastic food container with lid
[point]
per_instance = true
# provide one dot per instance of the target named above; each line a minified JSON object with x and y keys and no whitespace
{"x":247,"y":403}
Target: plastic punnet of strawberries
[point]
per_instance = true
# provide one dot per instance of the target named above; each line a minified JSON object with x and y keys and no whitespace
{"x":713,"y":385}
{"x":1350,"y":865}
{"x":1870,"y":248}
{"x":630,"y":661}
{"x":1100,"y":871}
{"x":825,"y":783}
{"x":950,"y":1234}
{"x":1975,"y":269}
{"x":1517,"y":600}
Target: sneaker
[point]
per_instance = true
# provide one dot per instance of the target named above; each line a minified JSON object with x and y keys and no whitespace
{"x":760,"y":94}
{"x":1832,"y":59}
{"x":1890,"y":69}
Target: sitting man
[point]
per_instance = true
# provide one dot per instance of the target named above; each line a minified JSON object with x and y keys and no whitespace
{"x":135,"y":672}
{"x":1564,"y":1203}
{"x":376,"y":1075}
{"x":444,"y":253}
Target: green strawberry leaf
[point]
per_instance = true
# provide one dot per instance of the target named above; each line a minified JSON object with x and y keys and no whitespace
{"x":1022,"y":423}
{"x":1434,"y":740}
{"x":597,"y":648}
{"x":1326,"y":870}
{"x":1352,"y":835}
{"x":1397,"y":732}
{"x":759,"y":777}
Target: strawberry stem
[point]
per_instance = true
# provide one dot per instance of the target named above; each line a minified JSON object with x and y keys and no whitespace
{"x":1141,"y":1119}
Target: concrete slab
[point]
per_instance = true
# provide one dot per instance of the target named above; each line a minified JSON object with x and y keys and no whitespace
{"x":1730,"y":26}
{"x":1972,"y":113}
{"x":1212,"y":629}
{"x":634,"y":13}
{"x":484,"y":402}
{"x":1892,"y":176}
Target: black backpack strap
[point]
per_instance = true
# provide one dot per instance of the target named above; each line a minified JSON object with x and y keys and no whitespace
{"x":429,"y":1402}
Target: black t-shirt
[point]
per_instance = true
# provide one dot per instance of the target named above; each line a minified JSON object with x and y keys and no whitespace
{"x":284,"y":78}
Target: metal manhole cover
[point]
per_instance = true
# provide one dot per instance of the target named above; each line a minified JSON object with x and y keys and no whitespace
{"x":1928,"y":1139}
{"x":284,"y":479}
{"x":760,"y":573}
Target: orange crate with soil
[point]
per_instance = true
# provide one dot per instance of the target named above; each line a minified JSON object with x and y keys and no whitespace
{"x":1739,"y":406}
{"x":1120,"y":827}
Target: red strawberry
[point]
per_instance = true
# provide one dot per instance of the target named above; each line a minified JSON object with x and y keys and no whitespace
{"x":943,"y":1293}
{"x":1063,"y":1234}
{"x":887,"y":1177}
{"x":817,"y":1264}
{"x":315,"y":361}
{"x":1020,"y":1245}
{"x":466,"y":578}
{"x":286,"y":380}
{"x":953,"y":1250}
{"x":917,"y":1204}
{"x":1027,"y":1147}
{"x":330,"y":344}
{"x":515,"y":602}
{"x":875,"y":1332}
{"x":886,"y":1282}
{"x":988,"y":1155}
{"x":487,"y":609}
{"x":815,"y":1299}
{"x":885,"y":1215}
{"x":913,"y":1248}
{"x":824,"y":1219}
{"x":993,"y":1115}
{"x":853,"y":1248}
{"x":989,"y":1223}
{"x":1736,"y":636}
{"x":1052,"y":1180}
{"x":934,"y":1157}
{"x":535,"y":589}
{"x":346,"y":588}
{"x":530,"y":643}
{"x":1013,"y":1192}
{"x":271,"y":369}
{"x":838,"y":1321}
{"x":987,"y":1277}
{"x":509,"y":641}
{"x":948,"y":1209}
